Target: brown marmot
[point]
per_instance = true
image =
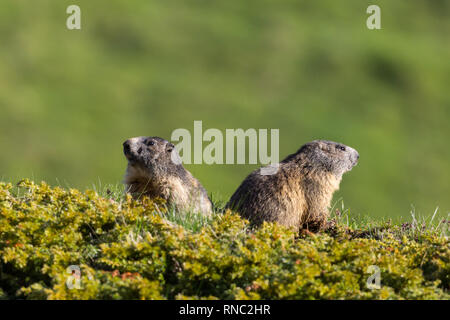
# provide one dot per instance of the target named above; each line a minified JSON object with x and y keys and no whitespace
{"x":299,"y":193}
{"x":155,"y":170}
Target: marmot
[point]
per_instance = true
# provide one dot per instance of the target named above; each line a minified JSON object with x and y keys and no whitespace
{"x":155,"y":170}
{"x":298,"y":195}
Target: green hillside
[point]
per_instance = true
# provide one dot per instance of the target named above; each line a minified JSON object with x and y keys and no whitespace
{"x":68,"y":99}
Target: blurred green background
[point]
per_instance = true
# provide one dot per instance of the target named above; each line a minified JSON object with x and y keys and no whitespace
{"x":68,"y":99}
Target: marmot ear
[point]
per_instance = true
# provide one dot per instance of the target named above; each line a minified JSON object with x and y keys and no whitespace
{"x":170,"y":147}
{"x":174,"y":156}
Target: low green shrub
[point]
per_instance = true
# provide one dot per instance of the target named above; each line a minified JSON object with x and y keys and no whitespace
{"x":130,"y":250}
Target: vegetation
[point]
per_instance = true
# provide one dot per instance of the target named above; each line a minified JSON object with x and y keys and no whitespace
{"x":128,"y":249}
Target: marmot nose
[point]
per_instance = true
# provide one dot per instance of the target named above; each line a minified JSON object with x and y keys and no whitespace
{"x":126,"y":147}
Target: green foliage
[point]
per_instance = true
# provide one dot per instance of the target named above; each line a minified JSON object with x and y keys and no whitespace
{"x":132,"y":250}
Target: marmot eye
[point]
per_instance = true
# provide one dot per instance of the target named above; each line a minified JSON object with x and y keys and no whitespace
{"x":342,"y":148}
{"x":150,"y":143}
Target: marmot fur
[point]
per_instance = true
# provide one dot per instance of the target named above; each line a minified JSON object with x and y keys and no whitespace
{"x":155,"y":170}
{"x":298,"y":195}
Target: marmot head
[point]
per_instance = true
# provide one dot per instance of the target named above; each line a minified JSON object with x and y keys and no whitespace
{"x":152,"y":155}
{"x":328,"y":156}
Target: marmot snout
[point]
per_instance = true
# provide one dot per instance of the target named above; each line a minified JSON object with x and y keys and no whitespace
{"x":298,"y":195}
{"x":155,"y":170}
